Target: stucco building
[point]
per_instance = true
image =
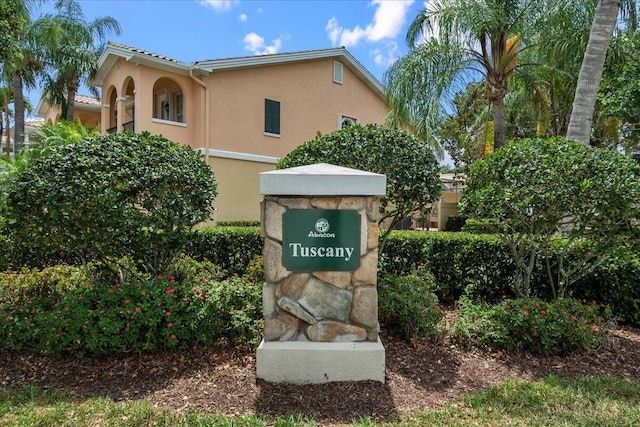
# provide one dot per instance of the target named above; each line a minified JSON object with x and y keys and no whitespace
{"x":243,"y":113}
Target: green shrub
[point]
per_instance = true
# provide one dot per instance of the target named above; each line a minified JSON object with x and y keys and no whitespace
{"x":616,"y":284}
{"x":231,"y":248}
{"x":559,"y":327}
{"x":478,"y":265}
{"x":112,"y":196}
{"x":455,"y":223}
{"x":409,"y":164}
{"x":407,"y":305}
{"x":47,"y":284}
{"x":548,"y":192}
{"x":83,"y":318}
{"x":480,"y":226}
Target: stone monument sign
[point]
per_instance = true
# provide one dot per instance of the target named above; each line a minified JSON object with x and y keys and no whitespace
{"x":320,"y":300}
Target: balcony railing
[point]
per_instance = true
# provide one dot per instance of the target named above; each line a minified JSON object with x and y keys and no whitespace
{"x":129,"y":126}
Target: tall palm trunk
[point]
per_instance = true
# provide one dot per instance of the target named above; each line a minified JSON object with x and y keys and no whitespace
{"x":8,"y":136}
{"x":498,"y":123}
{"x":18,"y":103}
{"x":591,"y":71}
{"x":72,"y":89}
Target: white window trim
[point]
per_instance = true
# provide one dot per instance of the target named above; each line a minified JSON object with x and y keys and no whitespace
{"x":240,"y":156}
{"x":272,"y":135}
{"x":338,"y":78}
{"x":342,"y":117}
{"x":168,"y":122}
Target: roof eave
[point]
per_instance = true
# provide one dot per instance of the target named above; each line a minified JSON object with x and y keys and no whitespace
{"x":263,"y":60}
{"x":112,"y":53}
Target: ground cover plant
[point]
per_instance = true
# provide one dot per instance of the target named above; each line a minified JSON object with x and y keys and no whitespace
{"x":559,"y":327}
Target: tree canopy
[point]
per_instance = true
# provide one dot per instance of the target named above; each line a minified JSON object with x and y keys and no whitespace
{"x":453,"y":42}
{"x":413,"y":179}
{"x":539,"y":192}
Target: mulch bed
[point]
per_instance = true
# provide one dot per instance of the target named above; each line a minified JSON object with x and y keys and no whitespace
{"x":419,"y":376}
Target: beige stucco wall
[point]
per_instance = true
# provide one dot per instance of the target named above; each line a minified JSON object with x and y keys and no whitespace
{"x":89,"y":117}
{"x":231,"y":113}
{"x":446,"y":210}
{"x":143,"y":78}
{"x":309,"y":102}
{"x":238,"y":188}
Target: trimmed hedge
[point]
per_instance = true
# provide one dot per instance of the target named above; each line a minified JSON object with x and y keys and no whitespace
{"x":460,"y":262}
{"x":476,"y":265}
{"x":231,"y":248}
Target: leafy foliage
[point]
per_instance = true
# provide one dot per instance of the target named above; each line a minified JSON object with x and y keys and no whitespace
{"x":408,"y":307}
{"x":559,"y":327}
{"x":13,"y":18}
{"x":231,"y":248}
{"x":542,"y":191}
{"x":413,"y":180}
{"x":112,"y":196}
{"x":73,"y":49}
{"x":452,"y":43}
{"x":461,"y":263}
{"x":619,"y":97}
{"x":82,"y":318}
{"x":463,"y":134}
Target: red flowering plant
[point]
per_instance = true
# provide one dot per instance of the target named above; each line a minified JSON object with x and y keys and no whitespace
{"x":559,"y":327}
{"x":122,"y":317}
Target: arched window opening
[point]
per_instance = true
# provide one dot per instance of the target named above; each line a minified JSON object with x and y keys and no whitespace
{"x":128,"y":120}
{"x":168,"y":101}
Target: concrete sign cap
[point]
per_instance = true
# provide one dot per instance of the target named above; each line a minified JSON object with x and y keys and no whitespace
{"x":322,"y":179}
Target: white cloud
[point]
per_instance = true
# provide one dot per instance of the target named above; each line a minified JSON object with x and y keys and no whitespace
{"x":387,"y":23}
{"x":255,"y":43}
{"x":388,"y":56}
{"x":220,"y":5}
{"x":242,"y":17}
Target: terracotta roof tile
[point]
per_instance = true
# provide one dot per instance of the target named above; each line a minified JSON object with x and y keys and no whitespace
{"x":86,"y":99}
{"x":144,"y":52}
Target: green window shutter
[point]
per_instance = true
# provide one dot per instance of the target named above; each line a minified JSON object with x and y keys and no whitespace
{"x":272,"y":116}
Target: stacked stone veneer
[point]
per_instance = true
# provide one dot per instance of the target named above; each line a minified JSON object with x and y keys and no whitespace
{"x":320,"y":306}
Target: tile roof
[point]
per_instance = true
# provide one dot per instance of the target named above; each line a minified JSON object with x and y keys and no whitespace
{"x":141,"y":56}
{"x":86,"y":99}
{"x":142,"y":51}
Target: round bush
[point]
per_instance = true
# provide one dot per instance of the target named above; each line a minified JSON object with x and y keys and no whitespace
{"x":408,"y":306}
{"x":103,"y":198}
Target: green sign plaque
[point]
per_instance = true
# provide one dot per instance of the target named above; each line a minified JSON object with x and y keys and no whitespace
{"x":321,"y":240}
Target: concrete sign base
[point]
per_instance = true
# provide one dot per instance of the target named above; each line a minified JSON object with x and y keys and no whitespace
{"x":297,"y":362}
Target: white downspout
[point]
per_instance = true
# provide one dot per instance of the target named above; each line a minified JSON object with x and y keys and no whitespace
{"x":206,"y":116}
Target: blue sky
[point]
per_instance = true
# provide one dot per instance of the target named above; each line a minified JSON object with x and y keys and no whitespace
{"x":193,"y":30}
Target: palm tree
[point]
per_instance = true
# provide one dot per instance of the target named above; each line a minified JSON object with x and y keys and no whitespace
{"x":543,"y":88}
{"x":461,"y":41}
{"x":6,"y":98}
{"x":591,"y":70}
{"x":22,"y":62}
{"x":13,"y":18}
{"x":74,"y":56}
